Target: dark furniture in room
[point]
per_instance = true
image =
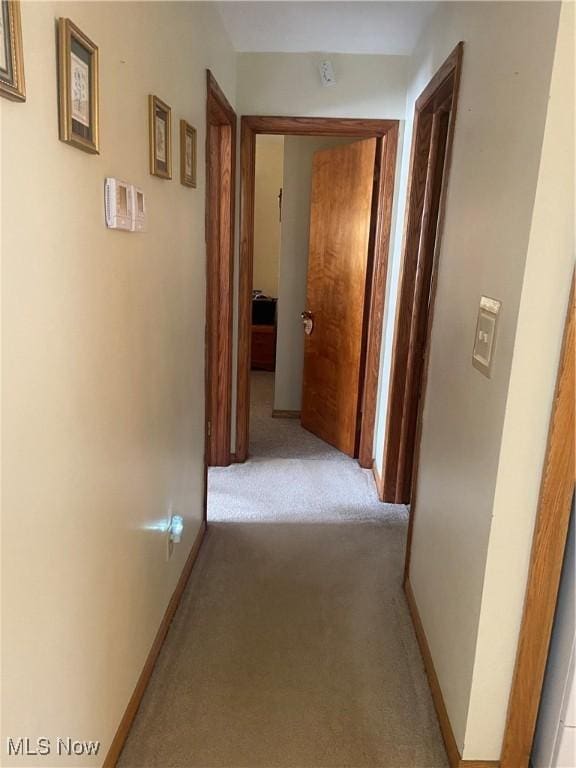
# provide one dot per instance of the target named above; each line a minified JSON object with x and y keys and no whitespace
{"x":263,"y":356}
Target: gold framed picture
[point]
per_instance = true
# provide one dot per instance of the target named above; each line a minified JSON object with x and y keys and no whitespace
{"x":160,"y":124}
{"x":77,"y":88}
{"x":11,"y":52}
{"x":187,"y":154}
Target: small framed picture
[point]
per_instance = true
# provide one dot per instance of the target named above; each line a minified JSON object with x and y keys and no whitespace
{"x":160,"y":119}
{"x":187,"y":154}
{"x":77,"y":88}
{"x":11,"y":53}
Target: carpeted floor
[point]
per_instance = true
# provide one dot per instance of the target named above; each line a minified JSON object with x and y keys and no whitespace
{"x":292,"y":647}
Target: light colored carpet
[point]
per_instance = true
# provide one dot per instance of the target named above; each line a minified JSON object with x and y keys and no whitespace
{"x":280,"y":438}
{"x":292,"y":647}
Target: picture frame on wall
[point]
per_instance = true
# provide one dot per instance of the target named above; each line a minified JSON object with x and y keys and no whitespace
{"x":187,"y":154}
{"x":78,"y":84}
{"x":160,"y":126}
{"x":11,"y":52}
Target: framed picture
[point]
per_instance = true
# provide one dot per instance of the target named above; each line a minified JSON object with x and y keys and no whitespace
{"x":77,"y":88}
{"x":160,"y":120}
{"x":187,"y":154}
{"x":11,"y":53}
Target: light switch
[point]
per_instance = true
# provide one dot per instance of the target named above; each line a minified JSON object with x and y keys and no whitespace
{"x":483,"y":353}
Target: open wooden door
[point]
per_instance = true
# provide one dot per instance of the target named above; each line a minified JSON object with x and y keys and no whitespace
{"x":337,"y":295}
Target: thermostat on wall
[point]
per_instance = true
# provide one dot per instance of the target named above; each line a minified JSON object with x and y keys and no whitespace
{"x":118,"y":204}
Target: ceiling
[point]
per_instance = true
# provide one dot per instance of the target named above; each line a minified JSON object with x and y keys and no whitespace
{"x":336,"y":27}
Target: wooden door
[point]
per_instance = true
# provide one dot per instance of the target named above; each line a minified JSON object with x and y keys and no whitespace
{"x":340,"y":213}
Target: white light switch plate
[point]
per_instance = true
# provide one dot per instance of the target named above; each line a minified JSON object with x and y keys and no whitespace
{"x":483,"y":353}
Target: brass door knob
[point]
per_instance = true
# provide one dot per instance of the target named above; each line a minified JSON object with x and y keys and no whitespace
{"x":307,"y":322}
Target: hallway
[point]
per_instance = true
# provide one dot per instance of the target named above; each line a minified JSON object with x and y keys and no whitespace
{"x":292,"y":646}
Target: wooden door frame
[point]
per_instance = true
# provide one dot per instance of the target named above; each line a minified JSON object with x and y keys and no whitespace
{"x":387,"y":131}
{"x":398,"y":480}
{"x":548,"y":546}
{"x":220,"y":205}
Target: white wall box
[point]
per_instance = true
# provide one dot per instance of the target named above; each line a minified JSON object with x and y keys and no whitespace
{"x":118,"y":204}
{"x":138,"y":210}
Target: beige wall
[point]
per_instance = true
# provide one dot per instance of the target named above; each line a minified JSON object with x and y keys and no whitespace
{"x":267,"y":185}
{"x":541,"y":318}
{"x":103,"y":368}
{"x":289,"y":84}
{"x":468,"y":591}
{"x":298,"y":153}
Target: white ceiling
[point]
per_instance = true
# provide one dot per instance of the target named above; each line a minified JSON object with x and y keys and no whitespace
{"x":336,"y":27}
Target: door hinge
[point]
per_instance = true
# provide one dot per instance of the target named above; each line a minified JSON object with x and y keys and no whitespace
{"x":209,"y":428}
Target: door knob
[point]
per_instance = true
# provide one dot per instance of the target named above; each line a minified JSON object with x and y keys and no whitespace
{"x":307,"y":322}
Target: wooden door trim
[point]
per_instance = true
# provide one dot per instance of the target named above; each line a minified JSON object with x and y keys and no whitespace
{"x":219,"y":110}
{"x":452,"y":752}
{"x":220,"y":203}
{"x":319,"y":126}
{"x":548,"y":545}
{"x":444,"y":83}
{"x":421,"y":321}
{"x":245,"y":279}
{"x":251,"y":126}
{"x":384,"y":204}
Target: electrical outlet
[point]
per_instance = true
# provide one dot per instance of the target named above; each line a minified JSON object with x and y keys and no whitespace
{"x":169,"y":544}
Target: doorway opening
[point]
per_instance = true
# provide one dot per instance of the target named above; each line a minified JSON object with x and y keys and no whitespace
{"x":434,"y":116}
{"x":268,"y":258}
{"x":312,"y":231}
{"x":381,"y":153}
